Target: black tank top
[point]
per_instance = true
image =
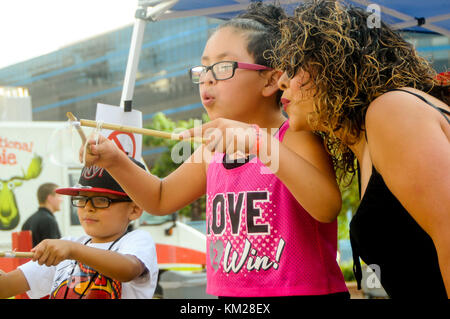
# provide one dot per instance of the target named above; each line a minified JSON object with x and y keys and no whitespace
{"x":383,"y":233}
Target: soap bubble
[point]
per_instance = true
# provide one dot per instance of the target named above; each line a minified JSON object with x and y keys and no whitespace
{"x":63,"y":146}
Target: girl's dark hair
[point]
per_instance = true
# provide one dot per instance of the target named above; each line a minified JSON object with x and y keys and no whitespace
{"x":351,"y":63}
{"x":260,"y":24}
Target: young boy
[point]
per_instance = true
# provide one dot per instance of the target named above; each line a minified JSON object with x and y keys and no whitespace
{"x":108,"y":263}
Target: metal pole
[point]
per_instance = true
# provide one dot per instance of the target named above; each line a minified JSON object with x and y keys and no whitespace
{"x":133,"y":61}
{"x":143,"y":14}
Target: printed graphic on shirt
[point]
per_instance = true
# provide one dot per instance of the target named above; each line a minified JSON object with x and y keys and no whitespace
{"x":85,"y":283}
{"x":240,"y":232}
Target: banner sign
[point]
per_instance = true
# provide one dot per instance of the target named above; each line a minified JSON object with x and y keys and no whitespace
{"x":130,"y":143}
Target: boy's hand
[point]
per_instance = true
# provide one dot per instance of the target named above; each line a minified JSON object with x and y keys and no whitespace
{"x":101,"y":152}
{"x":51,"y":252}
{"x":2,"y":272}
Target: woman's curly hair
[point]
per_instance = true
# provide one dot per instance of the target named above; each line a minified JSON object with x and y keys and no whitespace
{"x":351,"y":64}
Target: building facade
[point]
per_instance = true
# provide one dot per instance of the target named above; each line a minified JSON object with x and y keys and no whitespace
{"x":77,"y":77}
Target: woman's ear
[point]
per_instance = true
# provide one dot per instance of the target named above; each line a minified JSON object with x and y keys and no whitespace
{"x":271,"y":85}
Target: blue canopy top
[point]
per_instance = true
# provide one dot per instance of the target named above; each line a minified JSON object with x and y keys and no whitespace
{"x":432,"y":15}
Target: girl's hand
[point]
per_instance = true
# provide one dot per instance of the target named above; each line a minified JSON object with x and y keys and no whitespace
{"x":51,"y":252}
{"x":101,"y":152}
{"x":225,"y":136}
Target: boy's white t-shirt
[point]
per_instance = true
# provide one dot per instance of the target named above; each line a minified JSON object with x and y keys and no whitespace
{"x":44,"y":280}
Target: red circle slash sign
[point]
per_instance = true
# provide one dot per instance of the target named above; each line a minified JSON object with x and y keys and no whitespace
{"x":114,"y":136}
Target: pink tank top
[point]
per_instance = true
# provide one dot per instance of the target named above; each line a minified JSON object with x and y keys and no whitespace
{"x":260,"y":241}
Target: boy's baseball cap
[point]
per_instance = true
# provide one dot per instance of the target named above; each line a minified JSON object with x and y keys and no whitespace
{"x":96,"y":179}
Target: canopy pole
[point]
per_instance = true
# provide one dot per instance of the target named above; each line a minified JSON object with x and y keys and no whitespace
{"x":143,"y":14}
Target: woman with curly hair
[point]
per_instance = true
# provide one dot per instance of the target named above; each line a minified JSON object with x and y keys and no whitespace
{"x":383,"y":116}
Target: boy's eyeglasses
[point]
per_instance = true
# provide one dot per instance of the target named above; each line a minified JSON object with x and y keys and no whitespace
{"x":222,"y":70}
{"x":96,"y":201}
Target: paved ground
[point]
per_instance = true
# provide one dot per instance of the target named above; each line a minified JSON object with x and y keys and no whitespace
{"x":354,"y":292}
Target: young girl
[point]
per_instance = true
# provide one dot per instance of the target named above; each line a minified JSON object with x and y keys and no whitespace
{"x":375,"y":98}
{"x":268,"y":233}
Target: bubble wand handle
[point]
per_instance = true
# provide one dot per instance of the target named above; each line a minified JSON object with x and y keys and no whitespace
{"x":16,"y":254}
{"x":72,"y":118}
{"x":144,"y":131}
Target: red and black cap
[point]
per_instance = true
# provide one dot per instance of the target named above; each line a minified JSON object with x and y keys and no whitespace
{"x":97,"y":180}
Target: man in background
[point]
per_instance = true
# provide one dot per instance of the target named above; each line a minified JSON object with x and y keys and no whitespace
{"x":43,"y":223}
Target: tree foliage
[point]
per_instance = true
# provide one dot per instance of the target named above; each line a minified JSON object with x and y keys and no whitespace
{"x":164,"y":165}
{"x":350,"y":202}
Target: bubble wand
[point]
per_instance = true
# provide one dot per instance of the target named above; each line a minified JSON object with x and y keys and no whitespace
{"x":16,"y":254}
{"x":129,"y":129}
{"x":73,"y":121}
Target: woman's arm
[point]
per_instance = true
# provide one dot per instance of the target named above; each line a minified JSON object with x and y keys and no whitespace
{"x":156,"y":196}
{"x":411,"y":150}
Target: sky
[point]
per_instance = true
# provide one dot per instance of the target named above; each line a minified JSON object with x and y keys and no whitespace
{"x":30,"y":28}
